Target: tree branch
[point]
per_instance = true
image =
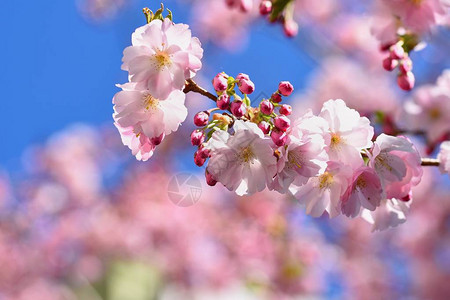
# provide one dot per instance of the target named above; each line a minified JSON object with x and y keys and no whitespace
{"x":430,"y":162}
{"x":191,"y":86}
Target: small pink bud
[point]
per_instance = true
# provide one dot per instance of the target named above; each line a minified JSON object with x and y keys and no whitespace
{"x":220,"y":82}
{"x":266,"y":107}
{"x":223,"y":102}
{"x":282,"y":123}
{"x":157,"y":140}
{"x":197,"y":137}
{"x":210,"y":179}
{"x":230,"y":3}
{"x":198,"y":159}
{"x":276,"y":98}
{"x":265,"y":7}
{"x":246,"y":86}
{"x":278,"y":137}
{"x":246,"y":5}
{"x":290,"y":28}
{"x":238,"y":108}
{"x":405,"y":65}
{"x":264,"y":126}
{"x":285,"y":109}
{"x":406,"y":81}
{"x":204,"y":152}
{"x":385,"y":47}
{"x":396,"y":51}
{"x":285,"y":88}
{"x":389,"y":64}
{"x":201,"y":118}
{"x":242,"y":76}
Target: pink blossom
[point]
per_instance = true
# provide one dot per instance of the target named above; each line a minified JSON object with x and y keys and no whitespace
{"x":139,"y":144}
{"x":162,"y":56}
{"x":390,"y":213}
{"x":444,"y":158}
{"x":243,"y":162}
{"x":364,"y":191}
{"x":323,"y":192}
{"x":348,"y":132}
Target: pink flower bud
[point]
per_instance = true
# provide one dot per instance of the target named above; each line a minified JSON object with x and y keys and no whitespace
{"x":201,"y":118}
{"x":285,"y":88}
{"x":157,"y":140}
{"x":246,"y":5}
{"x":223,"y":102}
{"x":276,"y":98}
{"x":405,"y":65}
{"x":210,"y":179}
{"x":389,"y":64}
{"x":265,"y":7}
{"x":198,"y":159}
{"x":220,"y":82}
{"x":290,"y":28}
{"x":282,"y":123}
{"x":396,"y":51}
{"x":230,"y":3}
{"x":285,"y":109}
{"x":204,"y":152}
{"x":264,"y":126}
{"x":246,"y":86}
{"x":278,"y":137}
{"x":197,"y":137}
{"x":406,"y":81}
{"x":238,"y":108}
{"x":266,"y":107}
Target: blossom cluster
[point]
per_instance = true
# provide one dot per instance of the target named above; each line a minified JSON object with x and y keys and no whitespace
{"x":151,"y":105}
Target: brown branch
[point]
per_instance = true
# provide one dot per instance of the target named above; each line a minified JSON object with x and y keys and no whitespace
{"x":191,"y":86}
{"x":430,"y":162}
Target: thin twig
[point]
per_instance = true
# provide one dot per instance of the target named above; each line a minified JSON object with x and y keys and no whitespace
{"x":430,"y":162}
{"x":191,"y":86}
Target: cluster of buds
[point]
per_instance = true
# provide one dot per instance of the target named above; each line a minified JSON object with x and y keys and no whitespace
{"x":399,"y":58}
{"x":282,"y":12}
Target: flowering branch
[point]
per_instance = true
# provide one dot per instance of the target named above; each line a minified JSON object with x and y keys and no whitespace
{"x":430,"y":162}
{"x":192,"y":86}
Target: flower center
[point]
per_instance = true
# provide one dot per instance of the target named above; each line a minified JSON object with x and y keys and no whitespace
{"x":294,"y":159}
{"x":149,"y":102}
{"x":335,"y":140}
{"x":434,"y":113}
{"x":246,"y":154}
{"x":361,"y":182}
{"x":325,"y":180}
{"x":162,"y":59}
{"x":381,"y":161}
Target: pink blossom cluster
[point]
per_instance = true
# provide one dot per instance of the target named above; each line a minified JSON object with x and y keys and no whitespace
{"x":151,"y":105}
{"x":326,"y":161}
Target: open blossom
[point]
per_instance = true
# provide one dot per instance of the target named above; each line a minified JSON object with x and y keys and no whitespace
{"x":444,"y":158}
{"x":390,"y":213}
{"x":323,"y":192}
{"x":140,"y":145}
{"x":364,"y":191}
{"x":398,"y":163}
{"x":150,"y":115}
{"x":304,"y":156}
{"x":162,"y":56}
{"x":348,"y":132}
{"x":243,"y":162}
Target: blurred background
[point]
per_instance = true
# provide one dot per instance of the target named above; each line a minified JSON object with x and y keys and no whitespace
{"x":80,"y":218}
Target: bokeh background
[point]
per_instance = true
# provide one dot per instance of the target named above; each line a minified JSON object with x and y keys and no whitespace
{"x":80,"y":218}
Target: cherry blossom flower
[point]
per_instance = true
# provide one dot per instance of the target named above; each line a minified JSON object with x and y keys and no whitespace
{"x":398,"y":163}
{"x":139,"y":144}
{"x":390,"y":213}
{"x":323,"y":192}
{"x":349,"y":133}
{"x":162,"y":56}
{"x":364,"y":191}
{"x":147,"y":114}
{"x":444,"y":158}
{"x":243,"y":162}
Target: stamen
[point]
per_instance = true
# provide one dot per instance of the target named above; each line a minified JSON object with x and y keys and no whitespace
{"x":325,"y":180}
{"x":161,"y":59}
{"x":246,"y":154}
{"x":149,"y":102}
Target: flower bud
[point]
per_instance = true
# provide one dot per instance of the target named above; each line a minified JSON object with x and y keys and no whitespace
{"x":220,"y":82}
{"x":246,"y":86}
{"x":197,"y":137}
{"x":290,"y":28}
{"x":396,"y":51}
{"x":265,"y":7}
{"x":276,"y":98}
{"x":198,"y":159}
{"x":204,"y":152}
{"x":238,"y":108}
{"x":158,"y":139}
{"x":285,"y":88}
{"x":406,"y":81}
{"x":264,"y":126}
{"x":389,"y":64}
{"x":246,"y":5}
{"x":405,"y":65}
{"x":282,"y":123}
{"x":278,"y":137}
{"x":223,"y":102}
{"x":266,"y":107}
{"x":210,"y":179}
{"x":201,"y":118}
{"x":285,"y":109}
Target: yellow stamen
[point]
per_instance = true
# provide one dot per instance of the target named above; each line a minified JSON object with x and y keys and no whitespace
{"x":246,"y":154}
{"x":149,"y":102}
{"x":325,"y":180}
{"x":162,"y":59}
{"x":434,"y":113}
{"x":335,"y":140}
{"x":294,"y":159}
